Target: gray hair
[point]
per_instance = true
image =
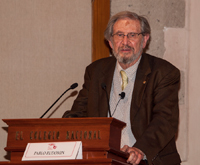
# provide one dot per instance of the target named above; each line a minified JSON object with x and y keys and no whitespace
{"x":144,"y":24}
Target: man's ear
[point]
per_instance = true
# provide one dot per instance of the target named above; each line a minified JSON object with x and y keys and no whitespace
{"x":110,"y":43}
{"x":146,"y":38}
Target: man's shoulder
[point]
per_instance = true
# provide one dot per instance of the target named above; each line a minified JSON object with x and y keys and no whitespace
{"x":103,"y":62}
{"x":159,"y":63}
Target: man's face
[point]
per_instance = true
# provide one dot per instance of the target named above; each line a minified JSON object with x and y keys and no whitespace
{"x":127,"y":51}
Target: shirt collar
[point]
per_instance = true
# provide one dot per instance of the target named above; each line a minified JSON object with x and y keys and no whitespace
{"x":129,"y":71}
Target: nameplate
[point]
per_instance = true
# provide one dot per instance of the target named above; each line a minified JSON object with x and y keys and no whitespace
{"x":53,"y":151}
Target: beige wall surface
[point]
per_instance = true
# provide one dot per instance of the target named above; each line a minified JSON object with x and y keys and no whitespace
{"x":45,"y":46}
{"x":193,"y":83}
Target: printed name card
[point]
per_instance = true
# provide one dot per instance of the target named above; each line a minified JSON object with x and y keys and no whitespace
{"x":53,"y":151}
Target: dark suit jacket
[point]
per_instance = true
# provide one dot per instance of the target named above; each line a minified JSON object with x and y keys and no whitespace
{"x":154,"y":108}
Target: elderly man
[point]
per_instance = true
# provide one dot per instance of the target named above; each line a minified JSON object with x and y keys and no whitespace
{"x":148,"y":88}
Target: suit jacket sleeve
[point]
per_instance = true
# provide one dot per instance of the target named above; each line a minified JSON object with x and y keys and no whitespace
{"x":91,"y":100}
{"x":161,"y":104}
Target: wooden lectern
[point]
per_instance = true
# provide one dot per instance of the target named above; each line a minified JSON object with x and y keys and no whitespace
{"x":100,"y":139}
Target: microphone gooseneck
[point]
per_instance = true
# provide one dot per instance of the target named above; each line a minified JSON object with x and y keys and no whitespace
{"x":103,"y":85}
{"x":71,"y":87}
{"x":122,"y":94}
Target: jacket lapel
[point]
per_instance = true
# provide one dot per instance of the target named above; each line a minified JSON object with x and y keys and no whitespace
{"x":141,"y":81}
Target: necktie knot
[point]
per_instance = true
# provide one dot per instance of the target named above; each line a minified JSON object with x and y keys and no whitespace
{"x":124,"y":79}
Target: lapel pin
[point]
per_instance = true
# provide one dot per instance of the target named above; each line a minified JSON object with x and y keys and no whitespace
{"x":144,"y":82}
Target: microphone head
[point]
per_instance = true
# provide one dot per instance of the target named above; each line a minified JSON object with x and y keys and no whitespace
{"x":122,"y":95}
{"x":103,"y":86}
{"x":74,"y":85}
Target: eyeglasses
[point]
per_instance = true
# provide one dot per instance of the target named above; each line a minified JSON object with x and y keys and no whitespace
{"x":130,"y":36}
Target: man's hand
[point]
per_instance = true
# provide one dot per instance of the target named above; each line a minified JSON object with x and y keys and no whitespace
{"x":136,"y":155}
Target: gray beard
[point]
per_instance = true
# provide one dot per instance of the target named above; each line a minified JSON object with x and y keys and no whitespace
{"x":128,"y":60}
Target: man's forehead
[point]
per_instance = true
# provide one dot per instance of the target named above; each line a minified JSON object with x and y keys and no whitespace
{"x":126,"y":22}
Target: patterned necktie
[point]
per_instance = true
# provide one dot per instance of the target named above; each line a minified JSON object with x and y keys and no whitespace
{"x":124,"y":79}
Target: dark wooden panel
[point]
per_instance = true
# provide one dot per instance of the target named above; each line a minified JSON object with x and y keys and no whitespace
{"x":100,"y":18}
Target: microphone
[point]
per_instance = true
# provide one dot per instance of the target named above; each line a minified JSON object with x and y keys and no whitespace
{"x":122,"y":94}
{"x":104,"y":88}
{"x":71,"y":87}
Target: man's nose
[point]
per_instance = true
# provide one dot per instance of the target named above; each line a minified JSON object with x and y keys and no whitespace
{"x":125,"y":40}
